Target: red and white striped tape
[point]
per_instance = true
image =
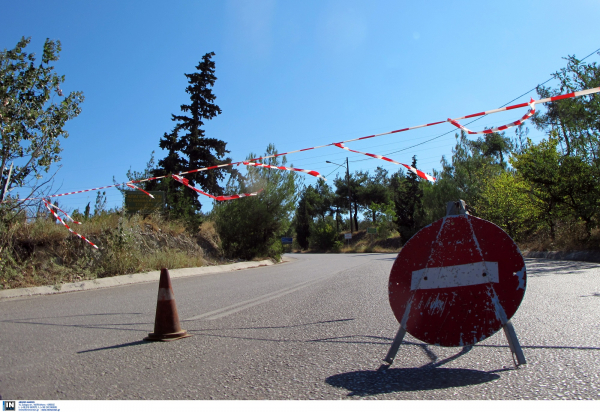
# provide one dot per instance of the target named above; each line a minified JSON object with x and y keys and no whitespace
{"x":419,"y":173}
{"x":78,"y":191}
{"x":545,"y":100}
{"x":232,"y":197}
{"x":516,"y":106}
{"x":186,"y":182}
{"x":141,"y":190}
{"x":251,"y":162}
{"x":310,"y":172}
{"x":497,"y":129}
{"x":65,"y":225}
{"x":129,"y":184}
{"x":452,"y":121}
{"x":64,"y":213}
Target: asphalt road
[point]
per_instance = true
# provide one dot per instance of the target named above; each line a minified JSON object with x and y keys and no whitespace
{"x":314,"y":328}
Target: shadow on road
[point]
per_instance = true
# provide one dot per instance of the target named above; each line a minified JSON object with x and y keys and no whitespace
{"x":122,"y":345}
{"x":297,"y":325}
{"x":426,"y":377}
{"x":364,"y":383}
{"x":544,"y":267}
{"x":75,"y":316}
{"x":233,"y":333}
{"x":83,"y":317}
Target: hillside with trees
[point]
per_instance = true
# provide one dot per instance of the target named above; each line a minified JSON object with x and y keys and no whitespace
{"x":545,"y":195}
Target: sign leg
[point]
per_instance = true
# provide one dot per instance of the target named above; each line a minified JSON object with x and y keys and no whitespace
{"x":513,"y":343}
{"x":395,"y":345}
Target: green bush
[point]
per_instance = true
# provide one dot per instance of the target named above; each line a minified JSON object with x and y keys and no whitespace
{"x":252,"y":227}
{"x":324,"y":237}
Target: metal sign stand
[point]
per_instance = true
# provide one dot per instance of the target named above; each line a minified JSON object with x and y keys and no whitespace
{"x":513,"y":343}
{"x":509,"y":331}
{"x":391,"y":355}
{"x":458,"y":208}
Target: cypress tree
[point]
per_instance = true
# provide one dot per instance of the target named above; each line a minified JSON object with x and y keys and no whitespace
{"x":408,"y":200}
{"x":189,"y":148}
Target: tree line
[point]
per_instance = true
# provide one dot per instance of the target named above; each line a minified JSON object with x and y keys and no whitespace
{"x":528,"y":189}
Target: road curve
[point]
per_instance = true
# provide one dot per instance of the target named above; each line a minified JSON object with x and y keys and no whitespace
{"x":313,"y":328}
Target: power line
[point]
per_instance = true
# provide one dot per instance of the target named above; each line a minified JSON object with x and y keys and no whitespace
{"x":481,"y":117}
{"x":453,"y":131}
{"x":333,"y":171}
{"x":312,"y":160}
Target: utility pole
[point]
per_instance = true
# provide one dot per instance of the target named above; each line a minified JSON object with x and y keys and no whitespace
{"x":349,"y":193}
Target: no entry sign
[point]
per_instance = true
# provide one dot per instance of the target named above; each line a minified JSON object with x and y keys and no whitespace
{"x":457,"y":281}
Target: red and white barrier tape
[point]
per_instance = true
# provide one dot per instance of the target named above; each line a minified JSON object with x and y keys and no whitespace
{"x":232,"y":197}
{"x":546,"y":100}
{"x":452,"y":121}
{"x":65,"y":213}
{"x":310,"y":172}
{"x":78,"y":191}
{"x":419,"y":173}
{"x":516,"y":106}
{"x":65,"y":225}
{"x":497,"y":129}
{"x":186,"y":182}
{"x":251,"y":162}
{"x":141,"y":190}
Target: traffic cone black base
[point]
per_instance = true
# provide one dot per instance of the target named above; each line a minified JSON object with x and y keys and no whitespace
{"x":166,"y":337}
{"x":166,"y":324}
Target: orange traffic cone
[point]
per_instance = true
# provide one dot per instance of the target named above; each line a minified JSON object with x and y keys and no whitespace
{"x":166,"y":324}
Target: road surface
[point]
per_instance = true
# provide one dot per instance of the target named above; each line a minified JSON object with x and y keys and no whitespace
{"x":314,"y":328}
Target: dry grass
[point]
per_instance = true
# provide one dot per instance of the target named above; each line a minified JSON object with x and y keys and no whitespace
{"x":41,"y":252}
{"x":173,"y":259}
{"x":209,"y":239}
{"x":367,"y":248}
{"x":569,"y":236}
{"x":362,"y":242}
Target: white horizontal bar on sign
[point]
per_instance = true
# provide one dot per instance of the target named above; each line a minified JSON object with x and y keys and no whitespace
{"x":453,"y":276}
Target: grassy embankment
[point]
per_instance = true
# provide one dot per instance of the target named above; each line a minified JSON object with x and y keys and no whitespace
{"x":42,"y":252}
{"x":362,"y":242}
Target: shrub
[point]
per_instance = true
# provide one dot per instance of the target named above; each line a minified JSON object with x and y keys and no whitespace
{"x":324,"y":237}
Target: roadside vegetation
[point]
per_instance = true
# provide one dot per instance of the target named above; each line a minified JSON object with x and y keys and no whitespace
{"x":545,"y":195}
{"x":39,"y":251}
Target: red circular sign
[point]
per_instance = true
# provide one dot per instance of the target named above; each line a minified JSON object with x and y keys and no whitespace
{"x":457,"y":281}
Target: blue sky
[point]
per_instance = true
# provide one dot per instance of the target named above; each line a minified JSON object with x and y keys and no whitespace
{"x":296,"y":74}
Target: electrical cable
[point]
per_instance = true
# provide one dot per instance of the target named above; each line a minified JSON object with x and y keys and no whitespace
{"x":478,"y":118}
{"x":333,"y":171}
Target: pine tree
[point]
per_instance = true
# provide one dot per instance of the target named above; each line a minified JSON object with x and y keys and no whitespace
{"x":303,"y":220}
{"x":408,"y":201}
{"x":189,"y":149}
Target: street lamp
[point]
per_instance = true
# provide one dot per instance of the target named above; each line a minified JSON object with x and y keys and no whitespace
{"x":349,"y":193}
